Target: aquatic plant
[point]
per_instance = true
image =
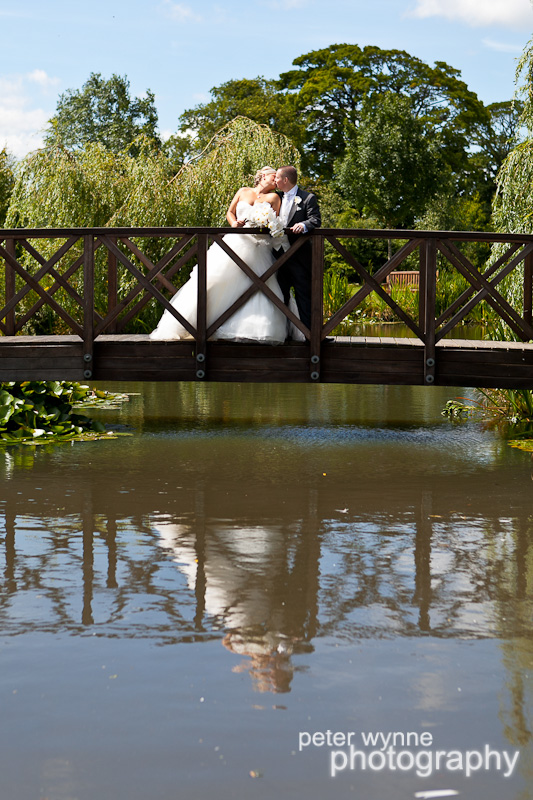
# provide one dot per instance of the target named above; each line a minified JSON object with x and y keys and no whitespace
{"x":34,"y":412}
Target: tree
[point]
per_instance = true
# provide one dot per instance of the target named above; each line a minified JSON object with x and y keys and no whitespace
{"x":513,"y":204}
{"x":391,"y":168}
{"x":331,"y":86}
{"x":257,"y":99}
{"x":500,"y":133}
{"x":102,"y":111}
{"x":7,"y":182}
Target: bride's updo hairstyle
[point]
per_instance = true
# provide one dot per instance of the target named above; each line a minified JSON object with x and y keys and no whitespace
{"x":263,"y":171}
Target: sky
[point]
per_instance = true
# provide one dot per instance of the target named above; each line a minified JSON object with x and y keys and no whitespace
{"x":181,"y":50}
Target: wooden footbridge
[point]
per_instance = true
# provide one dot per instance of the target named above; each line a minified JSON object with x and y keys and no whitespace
{"x":73,"y":296}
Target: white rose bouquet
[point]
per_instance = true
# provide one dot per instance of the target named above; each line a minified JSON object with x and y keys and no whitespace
{"x":262,"y":215}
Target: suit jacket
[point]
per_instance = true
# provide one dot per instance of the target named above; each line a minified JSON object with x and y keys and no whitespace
{"x":306,"y":210}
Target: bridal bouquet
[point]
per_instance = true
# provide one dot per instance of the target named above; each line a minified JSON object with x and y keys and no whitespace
{"x":262,"y":215}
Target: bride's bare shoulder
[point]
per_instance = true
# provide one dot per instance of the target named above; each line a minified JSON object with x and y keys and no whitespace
{"x":246,"y":192}
{"x":273,"y":199}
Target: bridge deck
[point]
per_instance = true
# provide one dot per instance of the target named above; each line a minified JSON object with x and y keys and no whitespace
{"x":349,"y":359}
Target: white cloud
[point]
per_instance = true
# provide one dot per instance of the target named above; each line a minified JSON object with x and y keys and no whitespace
{"x":510,"y":13}
{"x":179,"y":12}
{"x":503,"y":47}
{"x":40,"y":77}
{"x":22,"y":117}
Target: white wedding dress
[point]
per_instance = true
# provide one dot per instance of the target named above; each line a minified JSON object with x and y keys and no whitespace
{"x":258,"y":320}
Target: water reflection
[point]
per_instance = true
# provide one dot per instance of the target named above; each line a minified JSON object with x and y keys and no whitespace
{"x":258,"y":582}
{"x":364,"y":520}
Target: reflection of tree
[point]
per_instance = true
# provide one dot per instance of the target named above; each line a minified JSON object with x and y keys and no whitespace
{"x":514,"y":612}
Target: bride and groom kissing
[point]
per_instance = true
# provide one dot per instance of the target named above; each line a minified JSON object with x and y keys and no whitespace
{"x":258,"y":319}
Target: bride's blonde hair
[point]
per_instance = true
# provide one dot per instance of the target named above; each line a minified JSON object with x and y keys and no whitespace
{"x":263,"y":171}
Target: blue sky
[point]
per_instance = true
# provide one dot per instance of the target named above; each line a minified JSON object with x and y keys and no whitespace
{"x":180,"y":50}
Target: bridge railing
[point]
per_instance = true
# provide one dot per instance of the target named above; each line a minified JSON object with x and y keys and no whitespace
{"x":92,"y":281}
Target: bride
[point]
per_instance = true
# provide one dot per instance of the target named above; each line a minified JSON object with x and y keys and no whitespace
{"x":258,"y":319}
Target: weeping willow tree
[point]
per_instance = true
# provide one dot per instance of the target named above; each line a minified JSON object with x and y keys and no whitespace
{"x":93,"y":187}
{"x":513,"y":213}
{"x":513,"y":204}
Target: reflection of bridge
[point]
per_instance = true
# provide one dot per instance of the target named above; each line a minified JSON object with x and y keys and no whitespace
{"x":93,"y":283}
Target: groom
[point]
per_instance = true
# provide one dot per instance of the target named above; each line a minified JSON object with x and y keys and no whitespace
{"x":300,"y":213}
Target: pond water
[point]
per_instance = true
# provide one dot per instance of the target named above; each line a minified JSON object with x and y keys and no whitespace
{"x":268,"y":591}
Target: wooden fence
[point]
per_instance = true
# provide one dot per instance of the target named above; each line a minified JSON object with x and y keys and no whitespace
{"x":94,"y":282}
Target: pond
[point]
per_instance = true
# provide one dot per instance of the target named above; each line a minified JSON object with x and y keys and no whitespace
{"x":268,"y":591}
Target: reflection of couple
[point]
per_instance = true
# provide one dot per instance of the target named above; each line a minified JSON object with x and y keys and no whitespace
{"x":258,"y":319}
{"x":248,"y":586}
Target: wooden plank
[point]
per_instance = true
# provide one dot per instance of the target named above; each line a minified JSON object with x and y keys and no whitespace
{"x":56,"y":373}
{"x":112,"y":287}
{"x":360,"y":233}
{"x":88,"y":304}
{"x":118,"y":365}
{"x":10,"y":288}
{"x":429,"y":325}
{"x":201,"y":308}
{"x":30,"y":364}
{"x":317,"y":304}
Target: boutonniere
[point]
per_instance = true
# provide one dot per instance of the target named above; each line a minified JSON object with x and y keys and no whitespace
{"x":297,"y":200}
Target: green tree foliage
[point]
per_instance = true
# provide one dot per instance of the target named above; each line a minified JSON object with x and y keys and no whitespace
{"x":513,"y":204}
{"x":338,"y":213}
{"x":392,"y":168}
{"x":257,"y":99}
{"x":499,"y":134}
{"x":336,"y":84}
{"x":104,"y":112}
{"x":7,"y":182}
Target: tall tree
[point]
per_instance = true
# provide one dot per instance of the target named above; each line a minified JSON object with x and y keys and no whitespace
{"x":513,"y":204}
{"x":391,"y":168}
{"x":102,"y":111}
{"x":330,"y":86}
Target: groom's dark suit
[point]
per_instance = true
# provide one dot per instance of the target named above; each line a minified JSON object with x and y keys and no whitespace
{"x":296,"y":271}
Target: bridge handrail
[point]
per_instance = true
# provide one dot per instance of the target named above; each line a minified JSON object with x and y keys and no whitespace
{"x":194,"y":241}
{"x":356,"y":233}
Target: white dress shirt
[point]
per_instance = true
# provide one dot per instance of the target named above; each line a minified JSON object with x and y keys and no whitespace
{"x":286,"y":204}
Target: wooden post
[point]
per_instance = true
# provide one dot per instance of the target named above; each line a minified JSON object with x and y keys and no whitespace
{"x":528,"y":287}
{"x":112,"y":287}
{"x":317,"y":303}
{"x":422,"y":286}
{"x":88,"y":305}
{"x":10,"y":289}
{"x":430,"y":291}
{"x":201,"y":317}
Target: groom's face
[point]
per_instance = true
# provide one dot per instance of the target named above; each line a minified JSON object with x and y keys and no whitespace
{"x":282,"y":182}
